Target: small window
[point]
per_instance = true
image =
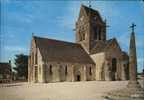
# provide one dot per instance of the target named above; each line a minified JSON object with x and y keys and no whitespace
{"x":114,"y":65}
{"x":90,"y":71}
{"x":36,"y":58}
{"x":66,"y":70}
{"x":50,"y":69}
{"x":95,"y":33}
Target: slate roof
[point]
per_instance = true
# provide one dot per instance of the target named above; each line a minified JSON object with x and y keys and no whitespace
{"x":101,"y":46}
{"x":61,"y":51}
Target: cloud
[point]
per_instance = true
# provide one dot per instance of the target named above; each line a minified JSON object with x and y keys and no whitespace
{"x":15,"y":49}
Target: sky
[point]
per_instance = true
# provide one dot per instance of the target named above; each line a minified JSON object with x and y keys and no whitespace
{"x":56,"y":19}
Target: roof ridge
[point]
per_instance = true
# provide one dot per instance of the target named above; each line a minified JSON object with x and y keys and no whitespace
{"x":89,"y":8}
{"x":92,"y":10}
{"x":54,"y":40}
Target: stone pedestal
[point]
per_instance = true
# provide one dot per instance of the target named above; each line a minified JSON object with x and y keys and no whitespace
{"x":133,"y":85}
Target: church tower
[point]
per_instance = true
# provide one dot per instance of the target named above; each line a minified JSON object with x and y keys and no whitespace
{"x":90,"y":28}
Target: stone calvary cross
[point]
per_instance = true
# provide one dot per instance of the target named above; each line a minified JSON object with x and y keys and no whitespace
{"x":133,"y":90}
{"x":133,"y":26}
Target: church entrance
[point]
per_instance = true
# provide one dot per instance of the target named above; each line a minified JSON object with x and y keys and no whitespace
{"x":78,"y":78}
{"x":114,"y":68}
{"x":77,"y":75}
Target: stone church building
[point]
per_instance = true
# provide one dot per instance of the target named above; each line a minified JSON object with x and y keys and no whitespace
{"x":92,"y":57}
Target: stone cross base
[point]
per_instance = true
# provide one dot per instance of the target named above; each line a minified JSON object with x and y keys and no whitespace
{"x":133,"y":85}
{"x":133,"y":91}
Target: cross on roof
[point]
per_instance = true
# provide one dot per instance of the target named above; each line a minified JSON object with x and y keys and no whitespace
{"x":133,"y":26}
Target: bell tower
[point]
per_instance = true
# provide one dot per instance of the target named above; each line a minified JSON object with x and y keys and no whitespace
{"x":90,"y":28}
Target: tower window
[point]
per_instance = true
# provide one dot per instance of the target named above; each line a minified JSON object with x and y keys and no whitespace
{"x":82,"y":34}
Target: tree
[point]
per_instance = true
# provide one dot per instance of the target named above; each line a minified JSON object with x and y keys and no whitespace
{"x":21,"y":62}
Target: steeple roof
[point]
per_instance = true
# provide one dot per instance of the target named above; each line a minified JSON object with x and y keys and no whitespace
{"x":90,"y":11}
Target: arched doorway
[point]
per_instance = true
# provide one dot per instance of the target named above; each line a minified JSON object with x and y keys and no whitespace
{"x":78,"y":76}
{"x":114,"y":68}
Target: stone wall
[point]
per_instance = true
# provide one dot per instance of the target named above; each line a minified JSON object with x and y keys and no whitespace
{"x":73,"y":72}
{"x":110,"y":55}
{"x":40,"y":65}
{"x":99,"y":59}
{"x":35,"y":65}
{"x":104,"y":66}
{"x":114,"y":52}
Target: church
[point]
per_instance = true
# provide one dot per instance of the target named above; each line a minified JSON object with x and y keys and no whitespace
{"x":91,"y":57}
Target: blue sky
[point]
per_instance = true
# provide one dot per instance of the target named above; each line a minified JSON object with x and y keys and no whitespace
{"x":56,"y":19}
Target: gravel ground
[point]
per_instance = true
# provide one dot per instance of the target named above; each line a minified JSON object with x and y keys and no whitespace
{"x":92,"y":90}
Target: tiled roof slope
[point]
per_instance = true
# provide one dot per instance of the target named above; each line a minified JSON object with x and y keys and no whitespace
{"x":101,"y":46}
{"x":61,"y":51}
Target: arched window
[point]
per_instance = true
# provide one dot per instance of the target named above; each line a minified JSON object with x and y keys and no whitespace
{"x":36,"y":58}
{"x":99,"y":32}
{"x":50,"y":69}
{"x":66,"y":70}
{"x":81,"y":35}
{"x":95,"y":33}
{"x":114,"y":64}
{"x":90,"y":71}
